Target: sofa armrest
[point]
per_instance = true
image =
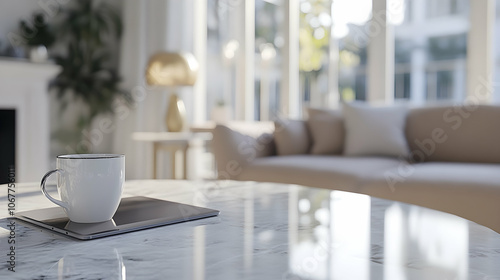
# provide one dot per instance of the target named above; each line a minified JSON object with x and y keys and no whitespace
{"x":237,"y":144}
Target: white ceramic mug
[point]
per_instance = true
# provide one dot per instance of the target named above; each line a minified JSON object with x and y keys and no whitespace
{"x":90,"y":186}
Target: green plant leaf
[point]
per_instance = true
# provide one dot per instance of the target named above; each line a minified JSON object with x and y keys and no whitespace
{"x":90,"y":31}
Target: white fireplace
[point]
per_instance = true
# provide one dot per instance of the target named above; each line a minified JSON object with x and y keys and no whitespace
{"x":24,"y":88}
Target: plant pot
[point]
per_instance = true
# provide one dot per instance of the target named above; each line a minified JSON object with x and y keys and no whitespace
{"x":221,"y":114}
{"x":38,"y":54}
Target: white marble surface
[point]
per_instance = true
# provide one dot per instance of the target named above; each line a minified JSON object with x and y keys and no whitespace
{"x":264,"y":231}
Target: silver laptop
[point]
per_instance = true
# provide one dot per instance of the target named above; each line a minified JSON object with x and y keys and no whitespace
{"x":134,"y":213}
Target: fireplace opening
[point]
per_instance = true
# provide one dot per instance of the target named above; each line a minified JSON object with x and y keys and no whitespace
{"x":7,"y":143}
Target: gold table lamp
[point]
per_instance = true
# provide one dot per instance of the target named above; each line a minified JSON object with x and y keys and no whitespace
{"x":172,"y":70}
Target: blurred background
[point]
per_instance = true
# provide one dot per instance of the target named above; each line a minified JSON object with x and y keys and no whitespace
{"x":258,"y":60}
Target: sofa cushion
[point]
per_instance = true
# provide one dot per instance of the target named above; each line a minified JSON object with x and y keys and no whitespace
{"x":375,"y":131}
{"x":331,"y":172}
{"x":238,"y":143}
{"x":458,"y":134}
{"x":291,"y":137}
{"x":468,"y":190}
{"x":327,"y":131}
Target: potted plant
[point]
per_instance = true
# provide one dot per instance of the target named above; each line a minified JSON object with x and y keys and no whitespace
{"x":221,"y":112}
{"x":38,"y":36}
{"x":90,"y":33}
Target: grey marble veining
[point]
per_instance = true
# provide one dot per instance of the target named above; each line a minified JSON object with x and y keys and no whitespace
{"x":264,"y":231}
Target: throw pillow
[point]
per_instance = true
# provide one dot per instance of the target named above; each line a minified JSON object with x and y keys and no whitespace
{"x":375,"y":130}
{"x":327,"y":131}
{"x":291,"y":137}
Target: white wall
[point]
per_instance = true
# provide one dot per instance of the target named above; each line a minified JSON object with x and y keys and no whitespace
{"x":11,"y":11}
{"x":150,"y":26}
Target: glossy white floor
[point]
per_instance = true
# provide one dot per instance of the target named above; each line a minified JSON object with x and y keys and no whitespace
{"x":264,"y":231}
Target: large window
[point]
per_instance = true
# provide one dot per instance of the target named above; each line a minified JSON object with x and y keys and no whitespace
{"x":430,"y":51}
{"x":222,"y":50}
{"x":268,"y":44}
{"x":333,"y":32}
{"x":335,"y":40}
{"x":314,"y":41}
{"x":352,"y":36}
{"x":226,"y":52}
{"x":496,"y":54}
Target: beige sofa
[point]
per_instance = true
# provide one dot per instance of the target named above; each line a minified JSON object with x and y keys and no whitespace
{"x":453,"y":164}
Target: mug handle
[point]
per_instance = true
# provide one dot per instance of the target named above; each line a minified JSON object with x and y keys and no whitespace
{"x":42,"y":186}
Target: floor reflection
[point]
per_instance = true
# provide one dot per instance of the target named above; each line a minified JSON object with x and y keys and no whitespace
{"x":330,"y":238}
{"x":350,"y":230}
{"x":435,"y":243}
{"x":199,"y":253}
{"x":340,"y":243}
{"x":111,"y":265}
{"x":249,"y":229}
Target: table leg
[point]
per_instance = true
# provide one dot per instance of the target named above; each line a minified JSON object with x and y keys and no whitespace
{"x":155,"y":151}
{"x":173,"y":163}
{"x":184,"y":163}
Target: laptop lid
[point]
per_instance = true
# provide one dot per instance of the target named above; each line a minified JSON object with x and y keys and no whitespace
{"x":134,"y":213}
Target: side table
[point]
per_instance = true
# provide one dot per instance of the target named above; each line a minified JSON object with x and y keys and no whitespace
{"x":173,"y":142}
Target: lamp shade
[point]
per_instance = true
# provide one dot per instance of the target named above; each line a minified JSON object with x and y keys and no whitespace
{"x":172,"y":69}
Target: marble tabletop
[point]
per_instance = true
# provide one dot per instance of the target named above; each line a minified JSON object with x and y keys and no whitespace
{"x":264,"y":231}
